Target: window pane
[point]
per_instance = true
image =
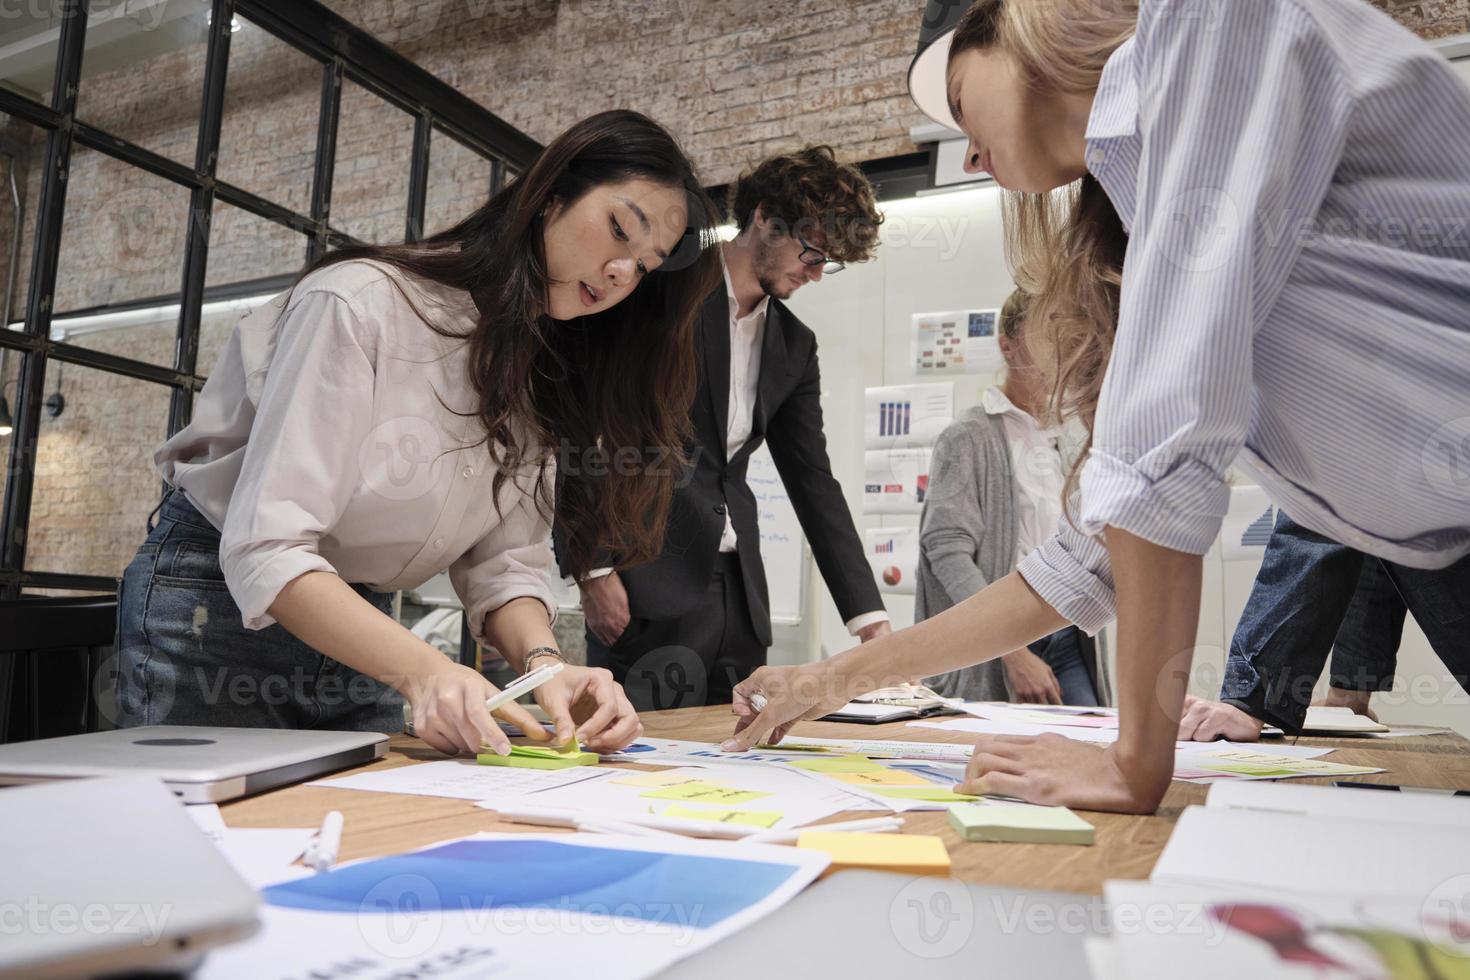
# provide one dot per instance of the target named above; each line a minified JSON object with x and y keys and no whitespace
{"x":122,"y":241}
{"x":10,"y":362}
{"x":243,"y":247}
{"x":29,"y":34}
{"x":273,"y":96}
{"x":370,"y":177}
{"x":143,"y":72}
{"x":459,"y":182}
{"x":95,"y":482}
{"x":25,"y":146}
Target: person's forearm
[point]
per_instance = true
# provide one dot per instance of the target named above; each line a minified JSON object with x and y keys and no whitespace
{"x":1158,"y":618}
{"x":322,"y":611}
{"x":517,"y":628}
{"x":1002,"y":617}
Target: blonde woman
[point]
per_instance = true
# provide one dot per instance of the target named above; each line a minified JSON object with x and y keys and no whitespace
{"x":1265,"y":263}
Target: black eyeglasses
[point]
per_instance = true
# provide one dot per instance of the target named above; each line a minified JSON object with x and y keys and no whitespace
{"x":815,"y":256}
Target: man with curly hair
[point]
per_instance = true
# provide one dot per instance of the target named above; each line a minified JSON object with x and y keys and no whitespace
{"x":686,"y":628}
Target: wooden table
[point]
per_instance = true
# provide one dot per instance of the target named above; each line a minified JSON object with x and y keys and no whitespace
{"x":377,"y":824}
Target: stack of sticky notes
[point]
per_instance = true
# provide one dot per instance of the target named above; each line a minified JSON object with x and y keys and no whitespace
{"x":1020,"y":823}
{"x":911,"y":854}
{"x":540,"y":757}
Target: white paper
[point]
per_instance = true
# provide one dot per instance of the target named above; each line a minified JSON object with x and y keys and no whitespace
{"x":957,"y":342}
{"x":786,"y":791}
{"x":1106,"y":736}
{"x":1311,"y":854}
{"x":1226,"y":933}
{"x":896,"y":481}
{"x":893,"y":555}
{"x":1324,"y":720}
{"x":1343,"y":803}
{"x":460,"y":779}
{"x":262,"y":856}
{"x":906,"y":415}
{"x":389,"y":935}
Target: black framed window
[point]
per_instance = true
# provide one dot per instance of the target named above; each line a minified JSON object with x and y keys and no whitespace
{"x":170,"y":166}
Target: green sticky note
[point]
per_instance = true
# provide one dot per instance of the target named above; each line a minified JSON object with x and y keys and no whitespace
{"x":937,"y":794}
{"x":843,"y":763}
{"x":702,"y":792}
{"x":540,"y":757}
{"x":749,"y":818}
{"x":1019,"y":824}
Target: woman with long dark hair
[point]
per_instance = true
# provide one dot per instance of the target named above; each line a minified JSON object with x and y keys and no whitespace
{"x":407,"y":409}
{"x":1261,"y":259}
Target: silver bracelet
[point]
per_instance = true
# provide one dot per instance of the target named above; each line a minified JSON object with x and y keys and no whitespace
{"x":541,"y":652}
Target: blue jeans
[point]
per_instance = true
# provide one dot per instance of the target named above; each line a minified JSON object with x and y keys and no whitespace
{"x":1313,"y":596}
{"x":1062,"y":652}
{"x":186,"y":658}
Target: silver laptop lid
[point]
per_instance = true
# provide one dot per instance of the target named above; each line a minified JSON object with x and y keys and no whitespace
{"x":184,"y":754}
{"x":877,"y":924}
{"x":111,"y":874}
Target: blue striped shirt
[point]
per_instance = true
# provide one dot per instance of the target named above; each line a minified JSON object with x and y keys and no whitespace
{"x":1295,"y":180}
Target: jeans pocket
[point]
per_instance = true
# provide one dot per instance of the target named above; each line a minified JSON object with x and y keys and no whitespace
{"x":195,"y":563}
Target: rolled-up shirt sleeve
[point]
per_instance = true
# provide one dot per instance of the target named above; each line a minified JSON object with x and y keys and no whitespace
{"x":1072,"y":573}
{"x":514,"y":560}
{"x":1242,"y":116}
{"x":300,"y":467}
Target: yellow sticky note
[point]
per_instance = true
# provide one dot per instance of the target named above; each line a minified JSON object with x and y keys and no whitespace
{"x":843,"y":763}
{"x":702,"y":792}
{"x":930,"y":793}
{"x":749,"y":818}
{"x":883,"y":777}
{"x":915,"y":854}
{"x":655,"y":779}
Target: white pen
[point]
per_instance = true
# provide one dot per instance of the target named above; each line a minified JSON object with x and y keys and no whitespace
{"x":321,"y":853}
{"x":524,"y":684}
{"x":874,"y":825}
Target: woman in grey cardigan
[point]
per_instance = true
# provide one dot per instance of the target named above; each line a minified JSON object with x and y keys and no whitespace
{"x":995,"y":493}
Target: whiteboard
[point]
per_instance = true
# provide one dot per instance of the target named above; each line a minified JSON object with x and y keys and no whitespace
{"x":782,"y":550}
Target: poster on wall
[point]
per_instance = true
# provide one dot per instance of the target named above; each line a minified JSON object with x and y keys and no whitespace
{"x":895,"y":480}
{"x":893,"y":554}
{"x":906,"y":415}
{"x":958,"y":342}
{"x":1248,"y":524}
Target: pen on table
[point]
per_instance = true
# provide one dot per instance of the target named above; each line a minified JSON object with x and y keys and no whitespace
{"x":321,"y":853}
{"x":874,"y":825}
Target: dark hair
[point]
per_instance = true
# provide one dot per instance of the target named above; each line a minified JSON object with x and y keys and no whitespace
{"x":809,"y":191}
{"x":602,"y":384}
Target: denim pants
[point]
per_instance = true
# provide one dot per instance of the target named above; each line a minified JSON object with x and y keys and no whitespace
{"x":1313,"y":596}
{"x":1062,"y":652}
{"x":186,"y":658}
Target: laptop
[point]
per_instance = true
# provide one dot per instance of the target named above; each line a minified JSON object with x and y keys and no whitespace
{"x":878,"y":924}
{"x":201,"y":765}
{"x":111,"y":875}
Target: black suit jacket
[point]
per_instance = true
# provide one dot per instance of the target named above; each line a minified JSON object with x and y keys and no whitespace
{"x":788,"y":416}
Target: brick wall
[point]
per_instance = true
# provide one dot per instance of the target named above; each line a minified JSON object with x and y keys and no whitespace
{"x":733,"y":79}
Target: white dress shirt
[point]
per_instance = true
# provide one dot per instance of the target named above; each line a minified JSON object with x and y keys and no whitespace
{"x":320,"y":443}
{"x":1037,"y":472}
{"x":1295,"y":178}
{"x":746,"y":334}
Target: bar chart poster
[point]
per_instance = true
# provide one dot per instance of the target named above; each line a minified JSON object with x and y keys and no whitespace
{"x":893,"y":554}
{"x":896,"y":481}
{"x":906,"y":416}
